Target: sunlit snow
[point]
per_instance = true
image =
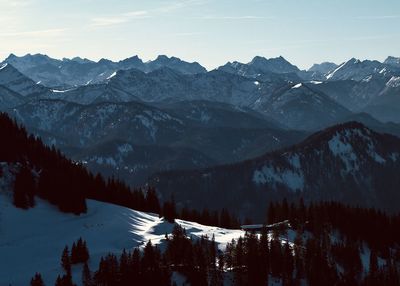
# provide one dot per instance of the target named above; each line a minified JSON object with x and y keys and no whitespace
{"x":42,"y":232}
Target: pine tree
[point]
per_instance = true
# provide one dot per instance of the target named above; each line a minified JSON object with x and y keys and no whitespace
{"x":37,"y":280}
{"x":24,"y":188}
{"x":169,"y":210}
{"x":79,"y":252}
{"x":66,"y":260}
{"x":65,"y":280}
{"x":86,"y":276}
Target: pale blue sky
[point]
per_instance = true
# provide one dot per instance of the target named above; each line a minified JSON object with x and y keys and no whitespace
{"x":211,"y":32}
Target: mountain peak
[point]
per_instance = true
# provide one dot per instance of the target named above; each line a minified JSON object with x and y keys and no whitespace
{"x":81,"y":60}
{"x":104,"y":61}
{"x":258,"y":59}
{"x":11,"y":56}
{"x":134,"y":60}
{"x":276,"y":65}
{"x":392,"y":61}
{"x":324,"y":67}
{"x":162,"y":58}
{"x":347,"y":129}
{"x":353,"y":61}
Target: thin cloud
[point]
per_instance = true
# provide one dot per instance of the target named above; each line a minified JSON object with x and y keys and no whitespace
{"x":382,"y":17}
{"x":180,"y":4}
{"x":15,"y":3}
{"x":185,"y":34}
{"x":135,"y":15}
{"x":118,"y":19}
{"x":246,"y":17}
{"x":34,"y":33}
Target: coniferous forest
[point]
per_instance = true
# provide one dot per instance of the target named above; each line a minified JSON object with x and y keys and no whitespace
{"x":324,"y":243}
{"x":45,"y":172}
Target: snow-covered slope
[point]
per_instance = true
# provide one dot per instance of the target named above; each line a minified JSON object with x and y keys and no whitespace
{"x":355,"y":69}
{"x":32,"y":240}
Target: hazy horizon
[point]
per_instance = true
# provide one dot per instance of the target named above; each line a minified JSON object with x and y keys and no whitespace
{"x":207,"y":31}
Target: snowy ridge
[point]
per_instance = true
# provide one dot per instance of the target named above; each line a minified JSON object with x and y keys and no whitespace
{"x":394,"y":81}
{"x":331,"y":74}
{"x":3,"y":66}
{"x":105,"y":227}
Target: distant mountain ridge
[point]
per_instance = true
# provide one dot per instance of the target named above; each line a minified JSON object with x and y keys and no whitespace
{"x":77,"y":71}
{"x":348,"y":162}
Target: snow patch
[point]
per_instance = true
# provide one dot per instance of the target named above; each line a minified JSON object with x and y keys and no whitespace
{"x":345,"y":151}
{"x":125,"y":148}
{"x":394,"y":81}
{"x":394,"y":156}
{"x":112,"y":75}
{"x":294,"y":180}
{"x":330,"y":75}
{"x":294,"y":160}
{"x":3,"y":66}
{"x":367,"y":79}
{"x":149,"y":124}
{"x":60,"y":91}
{"x":297,"y":85}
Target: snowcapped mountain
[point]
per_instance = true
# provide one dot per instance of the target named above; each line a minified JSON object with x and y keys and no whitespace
{"x":300,"y":106}
{"x":355,"y":69}
{"x":168,"y":85}
{"x":347,"y":162}
{"x":392,"y":61}
{"x":13,"y":80}
{"x":259,"y":66}
{"x":175,"y":64}
{"x":323,"y":68}
{"x":67,"y":73}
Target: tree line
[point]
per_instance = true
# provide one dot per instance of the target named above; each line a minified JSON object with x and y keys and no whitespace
{"x":45,"y":172}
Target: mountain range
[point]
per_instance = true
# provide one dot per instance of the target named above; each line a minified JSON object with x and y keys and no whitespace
{"x":137,"y":120}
